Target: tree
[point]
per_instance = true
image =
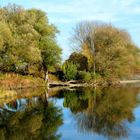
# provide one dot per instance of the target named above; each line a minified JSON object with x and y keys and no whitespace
{"x":27,"y":41}
{"x":80,"y":60}
{"x":70,"y":71}
{"x":110,"y":48}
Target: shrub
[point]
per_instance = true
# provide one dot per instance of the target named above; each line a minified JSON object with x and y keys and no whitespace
{"x":83,"y":75}
{"x":70,"y":71}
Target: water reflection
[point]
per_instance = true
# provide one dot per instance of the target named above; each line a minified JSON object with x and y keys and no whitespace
{"x":32,"y":119}
{"x":105,"y":112}
{"x":34,"y":116}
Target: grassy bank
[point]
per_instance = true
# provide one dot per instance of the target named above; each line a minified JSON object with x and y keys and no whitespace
{"x":15,"y":81}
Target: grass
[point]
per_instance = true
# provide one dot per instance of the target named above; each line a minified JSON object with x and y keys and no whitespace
{"x":14,"y":81}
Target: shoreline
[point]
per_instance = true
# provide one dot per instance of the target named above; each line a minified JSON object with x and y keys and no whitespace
{"x":70,"y":85}
{"x":73,"y":84}
{"x":129,"y":81}
{"x":23,"y":82}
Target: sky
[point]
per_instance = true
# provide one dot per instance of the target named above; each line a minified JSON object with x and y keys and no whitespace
{"x":65,"y":14}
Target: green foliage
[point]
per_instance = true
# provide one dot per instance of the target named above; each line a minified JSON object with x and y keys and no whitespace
{"x":80,"y":60}
{"x":70,"y":71}
{"x":27,"y":40}
{"x":83,"y":75}
{"x":50,"y":52}
{"x":111,"y":49}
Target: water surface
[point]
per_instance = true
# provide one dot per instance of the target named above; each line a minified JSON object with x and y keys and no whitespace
{"x":82,"y":114}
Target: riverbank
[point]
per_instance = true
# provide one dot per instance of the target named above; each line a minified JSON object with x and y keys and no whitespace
{"x":74,"y":83}
{"x":15,"y":81}
{"x":15,"y":87}
{"x":129,"y":81}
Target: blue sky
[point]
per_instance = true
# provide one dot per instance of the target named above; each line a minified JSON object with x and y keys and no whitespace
{"x":65,"y":14}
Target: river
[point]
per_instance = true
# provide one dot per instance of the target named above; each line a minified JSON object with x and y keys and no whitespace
{"x":77,"y":114}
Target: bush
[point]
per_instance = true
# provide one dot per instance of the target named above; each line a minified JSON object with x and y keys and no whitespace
{"x":70,"y":71}
{"x":83,"y":75}
{"x":97,"y":75}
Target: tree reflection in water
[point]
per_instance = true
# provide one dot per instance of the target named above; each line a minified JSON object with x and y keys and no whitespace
{"x":37,"y":120}
{"x":106,"y":112}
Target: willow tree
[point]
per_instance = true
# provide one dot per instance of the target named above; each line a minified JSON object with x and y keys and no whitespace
{"x":110,"y":48}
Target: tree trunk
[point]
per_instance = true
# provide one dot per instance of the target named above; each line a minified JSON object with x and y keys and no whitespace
{"x":46,"y":76}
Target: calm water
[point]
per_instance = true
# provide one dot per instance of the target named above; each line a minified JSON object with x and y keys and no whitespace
{"x":83,"y":114}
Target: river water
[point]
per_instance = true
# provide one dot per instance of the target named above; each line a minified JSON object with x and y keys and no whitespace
{"x":76,"y":114}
